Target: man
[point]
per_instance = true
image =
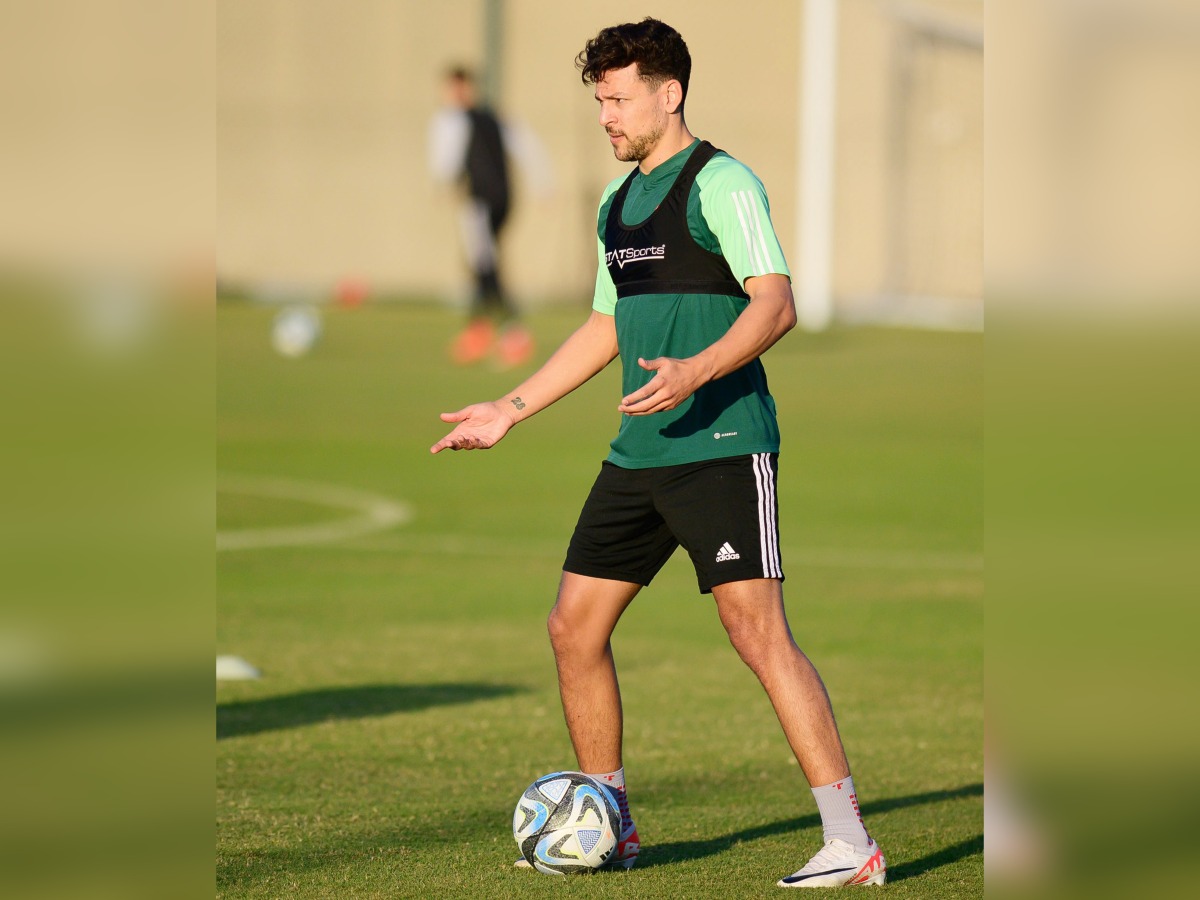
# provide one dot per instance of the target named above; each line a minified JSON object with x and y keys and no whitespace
{"x":469,"y":145}
{"x":692,"y":289}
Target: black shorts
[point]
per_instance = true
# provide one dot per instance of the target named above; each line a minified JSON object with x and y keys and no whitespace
{"x":723,"y":511}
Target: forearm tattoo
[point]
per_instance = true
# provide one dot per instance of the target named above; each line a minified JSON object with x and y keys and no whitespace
{"x":518,"y":402}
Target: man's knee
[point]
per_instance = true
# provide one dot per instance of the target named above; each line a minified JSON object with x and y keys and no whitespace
{"x":557,"y":626}
{"x":751,"y":641}
{"x":586,"y":612}
{"x":756,"y":625}
{"x":568,"y":629}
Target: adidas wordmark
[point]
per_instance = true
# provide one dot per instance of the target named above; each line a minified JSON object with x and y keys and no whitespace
{"x":727,"y":553}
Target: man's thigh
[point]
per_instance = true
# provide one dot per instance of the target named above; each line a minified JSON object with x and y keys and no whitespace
{"x":620,"y":535}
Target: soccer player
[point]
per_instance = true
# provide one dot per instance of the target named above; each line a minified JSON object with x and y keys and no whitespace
{"x":468,"y":144}
{"x":692,"y":289}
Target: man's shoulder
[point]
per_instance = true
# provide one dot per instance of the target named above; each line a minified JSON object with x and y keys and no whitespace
{"x":449,"y":117}
{"x":724,"y":170}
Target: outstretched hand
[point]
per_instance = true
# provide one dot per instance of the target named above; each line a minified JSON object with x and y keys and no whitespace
{"x":674,"y":381}
{"x":479,"y":427}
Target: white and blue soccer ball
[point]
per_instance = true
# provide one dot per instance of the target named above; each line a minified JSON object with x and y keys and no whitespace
{"x":566,"y":823}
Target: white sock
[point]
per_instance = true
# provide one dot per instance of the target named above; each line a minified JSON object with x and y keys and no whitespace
{"x":840,"y":817}
{"x":616,"y":781}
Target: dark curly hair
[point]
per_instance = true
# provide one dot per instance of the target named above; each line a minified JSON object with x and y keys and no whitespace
{"x":657,"y":48}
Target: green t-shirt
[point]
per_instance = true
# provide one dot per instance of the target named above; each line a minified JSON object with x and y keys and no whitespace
{"x":727,"y":213}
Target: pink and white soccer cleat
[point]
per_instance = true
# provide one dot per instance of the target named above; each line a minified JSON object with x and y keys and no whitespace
{"x":840,"y":863}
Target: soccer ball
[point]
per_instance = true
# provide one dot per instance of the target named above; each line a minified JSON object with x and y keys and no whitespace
{"x":566,"y":824}
{"x":295,"y":331}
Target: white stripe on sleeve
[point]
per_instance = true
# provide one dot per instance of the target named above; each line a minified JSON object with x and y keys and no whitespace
{"x":756,"y":223}
{"x":756,"y":266}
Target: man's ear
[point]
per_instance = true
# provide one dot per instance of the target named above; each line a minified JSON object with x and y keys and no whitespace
{"x":674,"y":95}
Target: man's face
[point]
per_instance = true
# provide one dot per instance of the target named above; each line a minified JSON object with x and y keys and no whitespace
{"x":459,"y":92}
{"x":634,"y":115}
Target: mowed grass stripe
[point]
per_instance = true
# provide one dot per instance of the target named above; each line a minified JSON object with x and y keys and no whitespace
{"x":794,"y":555}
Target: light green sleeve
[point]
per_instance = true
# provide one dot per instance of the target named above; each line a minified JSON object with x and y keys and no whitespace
{"x":604,"y":300}
{"x":734,"y":205}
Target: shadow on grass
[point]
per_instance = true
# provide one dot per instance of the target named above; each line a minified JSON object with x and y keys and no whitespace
{"x":681,"y":851}
{"x":355,"y":702}
{"x":943,"y":857}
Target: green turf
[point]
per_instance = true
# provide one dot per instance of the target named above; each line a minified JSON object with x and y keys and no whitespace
{"x":236,"y":511}
{"x":408,"y":694}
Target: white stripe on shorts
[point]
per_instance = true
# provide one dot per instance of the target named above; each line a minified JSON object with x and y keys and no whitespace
{"x":768,"y":528}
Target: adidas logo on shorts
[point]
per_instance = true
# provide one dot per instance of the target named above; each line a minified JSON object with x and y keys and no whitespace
{"x":727,"y":553}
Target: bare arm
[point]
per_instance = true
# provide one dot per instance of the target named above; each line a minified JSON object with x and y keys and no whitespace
{"x":588,"y":350}
{"x":770,"y":315}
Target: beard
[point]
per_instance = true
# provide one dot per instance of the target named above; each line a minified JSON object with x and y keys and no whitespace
{"x":638,"y":148}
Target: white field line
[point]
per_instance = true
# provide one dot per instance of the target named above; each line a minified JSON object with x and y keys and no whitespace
{"x":379,"y":513}
{"x":376,"y":512}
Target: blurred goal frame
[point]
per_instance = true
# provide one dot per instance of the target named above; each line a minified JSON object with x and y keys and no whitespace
{"x":914,"y":29}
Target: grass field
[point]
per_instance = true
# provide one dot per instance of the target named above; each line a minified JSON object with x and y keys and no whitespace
{"x":408,"y":692}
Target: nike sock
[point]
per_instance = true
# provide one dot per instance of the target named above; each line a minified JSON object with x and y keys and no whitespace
{"x":616,"y":781}
{"x":840,"y":817}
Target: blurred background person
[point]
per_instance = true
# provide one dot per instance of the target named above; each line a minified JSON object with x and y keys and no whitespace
{"x":471,"y":147}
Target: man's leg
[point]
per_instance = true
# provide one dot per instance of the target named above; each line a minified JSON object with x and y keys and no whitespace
{"x":516,"y":344}
{"x":580,"y":626}
{"x":754,"y":618}
{"x":753,"y":615}
{"x":475,"y":341}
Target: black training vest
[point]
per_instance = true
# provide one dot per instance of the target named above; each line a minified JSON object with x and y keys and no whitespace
{"x":660,"y":256}
{"x":486,"y":163}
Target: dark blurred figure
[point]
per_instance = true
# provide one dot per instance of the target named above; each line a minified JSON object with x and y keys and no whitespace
{"x":469,"y":145}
